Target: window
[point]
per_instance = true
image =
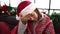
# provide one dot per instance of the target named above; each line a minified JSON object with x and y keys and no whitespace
{"x":4,"y":2}
{"x":55,"y":4}
{"x":57,"y":11}
{"x":42,"y":3}
{"x":14,"y":3}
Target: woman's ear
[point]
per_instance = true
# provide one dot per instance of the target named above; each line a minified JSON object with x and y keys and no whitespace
{"x":20,"y":15}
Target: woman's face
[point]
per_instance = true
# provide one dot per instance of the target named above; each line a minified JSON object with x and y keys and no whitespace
{"x":30,"y":17}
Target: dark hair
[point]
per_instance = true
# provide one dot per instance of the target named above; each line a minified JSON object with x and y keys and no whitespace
{"x":39,"y":14}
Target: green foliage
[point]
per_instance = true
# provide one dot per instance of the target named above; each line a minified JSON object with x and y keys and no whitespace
{"x":55,"y":18}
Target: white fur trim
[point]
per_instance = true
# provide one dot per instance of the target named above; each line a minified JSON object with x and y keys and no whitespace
{"x":17,"y":18}
{"x":29,"y":9}
{"x":21,"y":27}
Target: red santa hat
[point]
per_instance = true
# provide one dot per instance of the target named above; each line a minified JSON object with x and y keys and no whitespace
{"x":24,"y":8}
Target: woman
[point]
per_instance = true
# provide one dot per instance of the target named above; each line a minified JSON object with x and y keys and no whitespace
{"x":31,"y":21}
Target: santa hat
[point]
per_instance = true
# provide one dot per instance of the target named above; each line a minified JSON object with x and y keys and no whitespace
{"x":24,"y":8}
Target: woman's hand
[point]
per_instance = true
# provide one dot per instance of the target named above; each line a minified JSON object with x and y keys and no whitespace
{"x":24,"y":19}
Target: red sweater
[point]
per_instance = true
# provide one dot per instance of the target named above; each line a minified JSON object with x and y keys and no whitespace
{"x":4,"y":28}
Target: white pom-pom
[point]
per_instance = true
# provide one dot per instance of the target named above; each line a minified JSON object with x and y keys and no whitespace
{"x":17,"y":18}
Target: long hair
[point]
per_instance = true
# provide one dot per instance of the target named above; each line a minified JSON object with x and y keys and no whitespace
{"x":39,"y":14}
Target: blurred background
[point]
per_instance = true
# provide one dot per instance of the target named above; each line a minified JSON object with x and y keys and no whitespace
{"x":49,"y":7}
